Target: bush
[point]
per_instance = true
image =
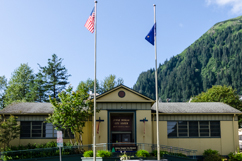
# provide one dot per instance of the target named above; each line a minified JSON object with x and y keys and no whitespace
{"x":235,"y":156}
{"x":163,"y":152}
{"x":142,"y":153}
{"x":168,"y":153}
{"x":88,"y":153}
{"x":211,"y":155}
{"x":104,"y":153}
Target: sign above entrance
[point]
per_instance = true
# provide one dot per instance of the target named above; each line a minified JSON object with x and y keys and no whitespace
{"x":121,"y":123}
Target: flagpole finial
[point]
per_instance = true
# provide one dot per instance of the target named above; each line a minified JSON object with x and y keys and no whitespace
{"x":154,"y":4}
{"x":95,"y":1}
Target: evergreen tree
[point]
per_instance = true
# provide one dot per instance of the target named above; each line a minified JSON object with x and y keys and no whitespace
{"x":214,"y":59}
{"x":21,"y":85}
{"x":39,"y":87}
{"x":55,"y":76}
{"x":3,"y":86}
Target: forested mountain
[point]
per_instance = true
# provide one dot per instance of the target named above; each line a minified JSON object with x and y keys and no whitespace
{"x":214,"y":59}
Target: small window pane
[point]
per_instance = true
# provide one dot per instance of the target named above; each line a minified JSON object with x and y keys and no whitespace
{"x":172,"y":129}
{"x":36,"y":123}
{"x":193,"y":128}
{"x":36,"y":135}
{"x":204,"y":128}
{"x":182,"y":128}
{"x":25,"y":135}
{"x":215,"y":128}
{"x":25,"y":128}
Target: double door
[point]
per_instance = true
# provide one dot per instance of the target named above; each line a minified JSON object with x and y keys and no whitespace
{"x":121,"y":138}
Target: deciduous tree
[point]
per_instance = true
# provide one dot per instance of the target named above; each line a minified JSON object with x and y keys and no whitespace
{"x":218,"y":93}
{"x":9,"y":130}
{"x":89,"y":83}
{"x":110,"y":82}
{"x":72,"y":112}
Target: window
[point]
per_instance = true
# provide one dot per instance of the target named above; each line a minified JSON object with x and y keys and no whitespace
{"x":182,"y":128}
{"x":193,"y":129}
{"x":172,"y":128}
{"x":39,"y":129}
{"x":240,"y":137}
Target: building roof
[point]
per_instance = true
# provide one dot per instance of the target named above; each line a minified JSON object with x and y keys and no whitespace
{"x":195,"y":108}
{"x":28,"y":108}
{"x":32,"y":108}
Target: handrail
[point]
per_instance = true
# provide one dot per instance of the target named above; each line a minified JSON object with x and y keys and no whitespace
{"x":67,"y":150}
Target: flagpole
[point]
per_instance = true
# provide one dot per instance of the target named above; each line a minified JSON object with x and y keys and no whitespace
{"x":95,"y":66}
{"x":156,"y":89}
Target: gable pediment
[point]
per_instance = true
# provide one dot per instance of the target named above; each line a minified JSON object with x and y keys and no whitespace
{"x":129,"y":96}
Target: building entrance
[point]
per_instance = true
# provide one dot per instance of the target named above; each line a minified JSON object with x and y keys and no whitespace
{"x":122,"y":130}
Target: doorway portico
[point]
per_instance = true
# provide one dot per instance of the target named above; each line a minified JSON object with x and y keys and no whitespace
{"x":121,"y":110}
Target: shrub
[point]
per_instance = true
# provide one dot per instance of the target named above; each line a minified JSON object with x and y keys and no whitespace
{"x":88,"y":153}
{"x":142,"y":153}
{"x":163,"y":152}
{"x":103,"y":153}
{"x":169,"y":153}
{"x":235,"y":156}
{"x":211,"y":155}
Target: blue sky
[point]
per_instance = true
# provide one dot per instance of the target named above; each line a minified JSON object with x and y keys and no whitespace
{"x":32,"y":30}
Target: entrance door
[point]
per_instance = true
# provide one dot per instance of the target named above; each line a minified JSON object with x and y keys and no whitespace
{"x":118,"y":138}
{"x":122,"y":132}
{"x":122,"y":128}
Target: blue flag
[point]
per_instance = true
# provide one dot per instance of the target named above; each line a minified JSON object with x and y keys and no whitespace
{"x":151,"y":35}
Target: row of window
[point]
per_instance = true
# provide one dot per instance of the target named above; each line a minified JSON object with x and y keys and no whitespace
{"x":40,"y":129}
{"x":193,"y":129}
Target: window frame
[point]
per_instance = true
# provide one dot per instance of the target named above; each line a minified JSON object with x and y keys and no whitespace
{"x":199,"y":128}
{"x":65,"y":135}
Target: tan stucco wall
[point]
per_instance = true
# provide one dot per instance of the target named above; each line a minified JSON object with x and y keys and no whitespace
{"x":224,"y":145}
{"x":129,"y":97}
{"x":87,"y":133}
{"x":141,"y":136}
{"x":102,"y":137}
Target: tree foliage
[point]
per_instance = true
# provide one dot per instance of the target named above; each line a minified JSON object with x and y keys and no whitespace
{"x":89,"y":83}
{"x":55,"y":76}
{"x":72,"y":112}
{"x":3,"y":87}
{"x":218,"y":93}
{"x":110,"y":82}
{"x":40,"y":90}
{"x":214,"y":59}
{"x":9,"y":130}
{"x":21,"y":85}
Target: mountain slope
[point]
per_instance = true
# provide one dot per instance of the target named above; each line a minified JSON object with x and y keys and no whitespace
{"x":214,"y":59}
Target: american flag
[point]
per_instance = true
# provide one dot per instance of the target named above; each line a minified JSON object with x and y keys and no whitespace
{"x":90,"y":21}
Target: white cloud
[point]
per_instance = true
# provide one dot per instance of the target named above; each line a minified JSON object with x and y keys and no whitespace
{"x":235,"y":4}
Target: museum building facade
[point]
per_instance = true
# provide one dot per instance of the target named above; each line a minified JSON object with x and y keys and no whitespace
{"x":128,"y":117}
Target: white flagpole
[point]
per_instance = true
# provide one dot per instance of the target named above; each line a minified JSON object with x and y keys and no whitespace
{"x":95,"y":53}
{"x":156,"y":89}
